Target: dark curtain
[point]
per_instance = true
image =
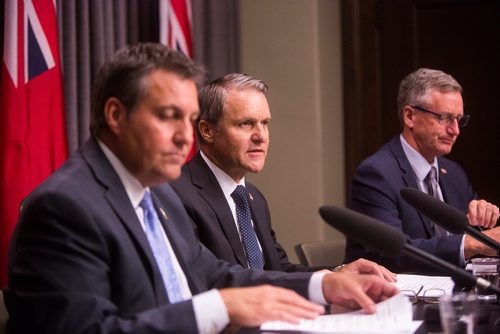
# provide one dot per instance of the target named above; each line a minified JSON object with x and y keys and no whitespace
{"x":90,"y":31}
{"x":216,"y":35}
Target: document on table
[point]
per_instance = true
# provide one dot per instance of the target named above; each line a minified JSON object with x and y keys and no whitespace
{"x":421,"y":284}
{"x":394,"y":315}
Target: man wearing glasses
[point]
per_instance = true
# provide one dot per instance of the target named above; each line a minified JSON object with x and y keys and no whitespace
{"x":430,"y":109}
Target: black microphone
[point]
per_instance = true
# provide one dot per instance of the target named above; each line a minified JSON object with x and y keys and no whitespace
{"x":390,"y":241}
{"x":447,"y":216}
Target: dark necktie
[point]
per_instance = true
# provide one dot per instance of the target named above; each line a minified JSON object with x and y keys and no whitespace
{"x":432,"y":189}
{"x":160,"y":249}
{"x":248,"y":235}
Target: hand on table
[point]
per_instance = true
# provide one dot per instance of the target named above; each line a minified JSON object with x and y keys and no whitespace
{"x":250,"y":307}
{"x":362,"y":266}
{"x":355,"y":291}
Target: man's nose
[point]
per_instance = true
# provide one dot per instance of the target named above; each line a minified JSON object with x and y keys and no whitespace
{"x":184,"y":132}
{"x":453,"y":127}
{"x":260,"y":133}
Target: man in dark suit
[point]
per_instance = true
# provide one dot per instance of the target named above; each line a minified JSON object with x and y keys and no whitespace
{"x":105,"y":246}
{"x":431,"y":112}
{"x":234,"y":136}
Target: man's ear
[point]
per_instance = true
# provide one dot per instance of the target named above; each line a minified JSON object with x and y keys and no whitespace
{"x":206,"y":131}
{"x":114,"y":114}
{"x":408,"y":114}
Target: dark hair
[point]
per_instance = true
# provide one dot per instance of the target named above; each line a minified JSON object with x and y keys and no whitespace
{"x":212,"y":97}
{"x":414,"y":89}
{"x":123,"y":75}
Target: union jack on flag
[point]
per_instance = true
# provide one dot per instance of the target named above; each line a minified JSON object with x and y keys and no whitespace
{"x":37,"y":54}
{"x":33,"y":138}
{"x":175,"y":25}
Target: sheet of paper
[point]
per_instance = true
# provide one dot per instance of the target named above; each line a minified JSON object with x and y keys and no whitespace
{"x":393,"y":316}
{"x":423,"y":283}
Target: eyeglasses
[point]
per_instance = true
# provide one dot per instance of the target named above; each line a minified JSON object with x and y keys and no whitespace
{"x":446,"y":119}
{"x":430,"y":296}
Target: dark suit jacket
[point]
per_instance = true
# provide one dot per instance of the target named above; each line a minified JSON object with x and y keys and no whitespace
{"x":81,"y":263}
{"x":375,"y":192}
{"x":205,"y":203}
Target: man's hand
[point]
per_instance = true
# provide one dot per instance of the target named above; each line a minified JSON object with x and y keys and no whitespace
{"x":482,"y":213}
{"x":362,"y":266}
{"x":250,"y":307}
{"x":355,"y":291}
{"x":473,"y":246}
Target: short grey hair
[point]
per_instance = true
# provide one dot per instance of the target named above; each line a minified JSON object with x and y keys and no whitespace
{"x":212,"y":97}
{"x":414,"y":89}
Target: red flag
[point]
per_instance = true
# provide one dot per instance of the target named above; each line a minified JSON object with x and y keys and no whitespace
{"x":32,"y":136}
{"x":175,"y":25}
{"x":175,"y":32}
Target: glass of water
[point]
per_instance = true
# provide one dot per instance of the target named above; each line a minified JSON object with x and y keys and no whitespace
{"x":486,"y":268}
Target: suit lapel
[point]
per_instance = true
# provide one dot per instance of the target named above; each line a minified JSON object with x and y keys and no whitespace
{"x":119,"y":202}
{"x":209,"y":189}
{"x":447,"y":185}
{"x":409,"y":178}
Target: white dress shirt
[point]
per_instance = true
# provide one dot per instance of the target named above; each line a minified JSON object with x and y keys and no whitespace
{"x":421,"y":168}
{"x":209,"y":308}
{"x":228,"y":185}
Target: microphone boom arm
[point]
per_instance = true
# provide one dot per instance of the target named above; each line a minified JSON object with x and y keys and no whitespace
{"x":461,"y":276}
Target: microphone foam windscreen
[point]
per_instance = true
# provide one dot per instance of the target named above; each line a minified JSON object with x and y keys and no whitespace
{"x":447,"y":216}
{"x":370,"y":232}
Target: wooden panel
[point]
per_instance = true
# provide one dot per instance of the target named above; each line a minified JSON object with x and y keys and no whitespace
{"x":361,"y":81}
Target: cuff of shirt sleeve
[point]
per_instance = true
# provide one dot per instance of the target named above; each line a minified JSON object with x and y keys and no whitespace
{"x":462,"y":255}
{"x":316,"y":288}
{"x":210,"y":312}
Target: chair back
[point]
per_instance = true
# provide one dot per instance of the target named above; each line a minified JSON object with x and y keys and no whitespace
{"x":319,"y":253}
{"x":4,"y":315}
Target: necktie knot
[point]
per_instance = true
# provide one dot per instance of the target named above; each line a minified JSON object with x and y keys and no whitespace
{"x":240,"y":195}
{"x":432,"y":175}
{"x":146,"y":202}
{"x":147,"y":205}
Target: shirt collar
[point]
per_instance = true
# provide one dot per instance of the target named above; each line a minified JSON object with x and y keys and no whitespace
{"x":418,"y":163}
{"x":226,"y":182}
{"x":135,"y":190}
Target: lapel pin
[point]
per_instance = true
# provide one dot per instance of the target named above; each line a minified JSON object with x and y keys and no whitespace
{"x":444,"y":171}
{"x":163,"y":213}
{"x":250,"y":195}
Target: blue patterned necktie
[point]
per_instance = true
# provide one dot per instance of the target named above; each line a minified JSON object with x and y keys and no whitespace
{"x":160,"y":249}
{"x":432,"y":189}
{"x":248,"y":235}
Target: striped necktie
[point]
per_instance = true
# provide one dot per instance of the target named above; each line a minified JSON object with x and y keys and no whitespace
{"x":432,"y":189}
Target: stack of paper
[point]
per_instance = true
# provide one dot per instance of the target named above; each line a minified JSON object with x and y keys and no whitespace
{"x":394,"y":315}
